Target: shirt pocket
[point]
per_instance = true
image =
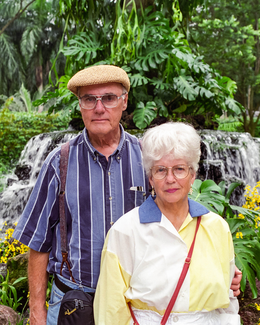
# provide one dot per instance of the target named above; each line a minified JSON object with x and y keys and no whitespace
{"x":134,"y":199}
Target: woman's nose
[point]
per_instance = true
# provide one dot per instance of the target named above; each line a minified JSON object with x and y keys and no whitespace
{"x":170,"y":175}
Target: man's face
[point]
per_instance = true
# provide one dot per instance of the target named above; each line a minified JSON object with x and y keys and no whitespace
{"x":101,"y":121}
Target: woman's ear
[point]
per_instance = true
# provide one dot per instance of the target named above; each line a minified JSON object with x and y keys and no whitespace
{"x":193,"y":177}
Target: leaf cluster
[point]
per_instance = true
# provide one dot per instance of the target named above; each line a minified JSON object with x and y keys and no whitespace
{"x":16,"y":129}
{"x":8,"y":293}
{"x":227,"y":34}
{"x":28,"y":45}
{"x":167,"y":79}
{"x":247,"y":249}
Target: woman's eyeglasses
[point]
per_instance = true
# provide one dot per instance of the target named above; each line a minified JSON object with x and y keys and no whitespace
{"x":179,"y":171}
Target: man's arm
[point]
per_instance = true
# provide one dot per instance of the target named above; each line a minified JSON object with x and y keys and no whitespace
{"x":235,"y":285}
{"x":38,"y":282}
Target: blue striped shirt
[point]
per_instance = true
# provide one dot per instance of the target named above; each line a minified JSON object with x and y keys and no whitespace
{"x":97,"y":194}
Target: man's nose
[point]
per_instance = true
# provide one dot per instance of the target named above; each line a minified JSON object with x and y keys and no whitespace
{"x":99,"y":107}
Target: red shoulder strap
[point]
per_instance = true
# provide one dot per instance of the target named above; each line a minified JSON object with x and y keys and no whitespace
{"x":179,"y":284}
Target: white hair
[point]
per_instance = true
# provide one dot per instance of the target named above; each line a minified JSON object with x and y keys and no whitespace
{"x":175,"y":138}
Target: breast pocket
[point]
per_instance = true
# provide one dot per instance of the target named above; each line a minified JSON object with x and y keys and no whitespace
{"x":134,"y":199}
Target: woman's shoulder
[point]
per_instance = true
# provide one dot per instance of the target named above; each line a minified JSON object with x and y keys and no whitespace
{"x":215,"y":221}
{"x":127,"y":221}
{"x":209,"y":218}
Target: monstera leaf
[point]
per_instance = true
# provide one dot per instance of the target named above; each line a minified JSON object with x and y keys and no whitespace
{"x":144,"y":114}
{"x":246,"y":237}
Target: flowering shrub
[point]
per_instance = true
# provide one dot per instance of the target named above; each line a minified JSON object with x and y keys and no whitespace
{"x":244,"y":224}
{"x":252,"y":202}
{"x":10,"y":247}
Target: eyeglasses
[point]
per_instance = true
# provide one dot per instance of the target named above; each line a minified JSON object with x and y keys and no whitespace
{"x":179,"y":171}
{"x":108,"y":100}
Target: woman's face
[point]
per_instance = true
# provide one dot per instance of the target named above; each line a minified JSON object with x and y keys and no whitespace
{"x":171,"y":190}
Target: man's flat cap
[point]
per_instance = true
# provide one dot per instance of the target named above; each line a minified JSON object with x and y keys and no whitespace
{"x":98,"y":74}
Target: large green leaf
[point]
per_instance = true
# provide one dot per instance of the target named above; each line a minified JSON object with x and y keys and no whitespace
{"x":186,"y":86}
{"x":144,"y":114}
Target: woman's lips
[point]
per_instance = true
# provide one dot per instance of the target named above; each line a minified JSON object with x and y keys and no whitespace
{"x":172,"y":190}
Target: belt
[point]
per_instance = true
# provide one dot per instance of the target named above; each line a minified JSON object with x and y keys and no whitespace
{"x":64,"y":288}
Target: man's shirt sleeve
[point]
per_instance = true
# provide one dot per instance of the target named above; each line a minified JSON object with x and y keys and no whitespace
{"x":41,"y":214}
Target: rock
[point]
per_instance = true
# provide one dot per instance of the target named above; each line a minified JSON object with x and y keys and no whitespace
{"x":17,"y":267}
{"x":8,"y":316}
{"x":3,"y":269}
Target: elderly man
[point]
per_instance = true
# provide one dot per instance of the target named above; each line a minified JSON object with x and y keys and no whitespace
{"x":105,"y":179}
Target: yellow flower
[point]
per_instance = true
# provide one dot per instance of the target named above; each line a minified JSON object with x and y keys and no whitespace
{"x":257,"y":307}
{"x":239,"y":234}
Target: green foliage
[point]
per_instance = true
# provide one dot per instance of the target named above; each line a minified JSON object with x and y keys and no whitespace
{"x":144,"y":114}
{"x":17,"y":128}
{"x":227,"y":34}
{"x":29,"y":44}
{"x":8,"y":294}
{"x":4,"y":170}
{"x":167,"y":79}
{"x":230,"y":124}
{"x":247,"y":245}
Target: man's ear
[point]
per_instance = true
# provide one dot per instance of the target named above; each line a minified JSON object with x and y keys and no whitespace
{"x":125,"y":99}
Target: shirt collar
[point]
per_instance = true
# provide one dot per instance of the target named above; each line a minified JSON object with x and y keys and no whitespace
{"x":94,"y":153}
{"x":149,"y":211}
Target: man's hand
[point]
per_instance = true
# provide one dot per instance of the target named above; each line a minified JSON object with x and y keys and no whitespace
{"x":235,"y":285}
{"x":38,"y":282}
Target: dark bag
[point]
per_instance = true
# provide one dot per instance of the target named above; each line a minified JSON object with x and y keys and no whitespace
{"x":76,"y":308}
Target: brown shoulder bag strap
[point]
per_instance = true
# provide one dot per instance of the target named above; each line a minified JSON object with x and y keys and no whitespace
{"x":64,"y":157}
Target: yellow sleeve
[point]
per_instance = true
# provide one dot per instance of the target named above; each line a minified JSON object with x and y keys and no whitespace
{"x":110,"y":306}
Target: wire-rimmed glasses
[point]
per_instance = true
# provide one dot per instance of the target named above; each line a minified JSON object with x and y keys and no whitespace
{"x":179,"y":171}
{"x":108,"y":100}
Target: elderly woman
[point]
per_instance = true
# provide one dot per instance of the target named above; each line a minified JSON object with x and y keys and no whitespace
{"x":146,"y":249}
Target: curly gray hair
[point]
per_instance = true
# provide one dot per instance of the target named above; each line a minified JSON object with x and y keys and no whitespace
{"x":176,"y":138}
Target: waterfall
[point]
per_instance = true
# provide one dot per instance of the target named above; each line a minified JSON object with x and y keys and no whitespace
{"x":232,"y":157}
{"x":20,"y":183}
{"x":228,"y":156}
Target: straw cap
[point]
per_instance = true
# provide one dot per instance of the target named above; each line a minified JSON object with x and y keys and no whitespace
{"x":98,"y":74}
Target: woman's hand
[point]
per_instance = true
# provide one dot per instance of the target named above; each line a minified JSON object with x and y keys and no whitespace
{"x":235,"y":285}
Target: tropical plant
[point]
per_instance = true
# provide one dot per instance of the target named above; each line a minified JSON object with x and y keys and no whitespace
{"x":17,"y":128}
{"x":166,"y":78}
{"x":8,"y":294}
{"x":227,"y":34}
{"x":246,"y":236}
{"x":28,"y":44}
{"x":229,"y":124}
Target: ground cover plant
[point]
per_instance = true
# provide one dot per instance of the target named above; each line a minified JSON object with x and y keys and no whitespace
{"x":10,"y":247}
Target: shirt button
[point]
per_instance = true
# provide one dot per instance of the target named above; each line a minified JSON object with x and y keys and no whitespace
{"x":94,"y":158}
{"x":111,"y":223}
{"x":110,"y":198}
{"x":118,"y":158}
{"x":109,"y":173}
{"x":175,"y":319}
